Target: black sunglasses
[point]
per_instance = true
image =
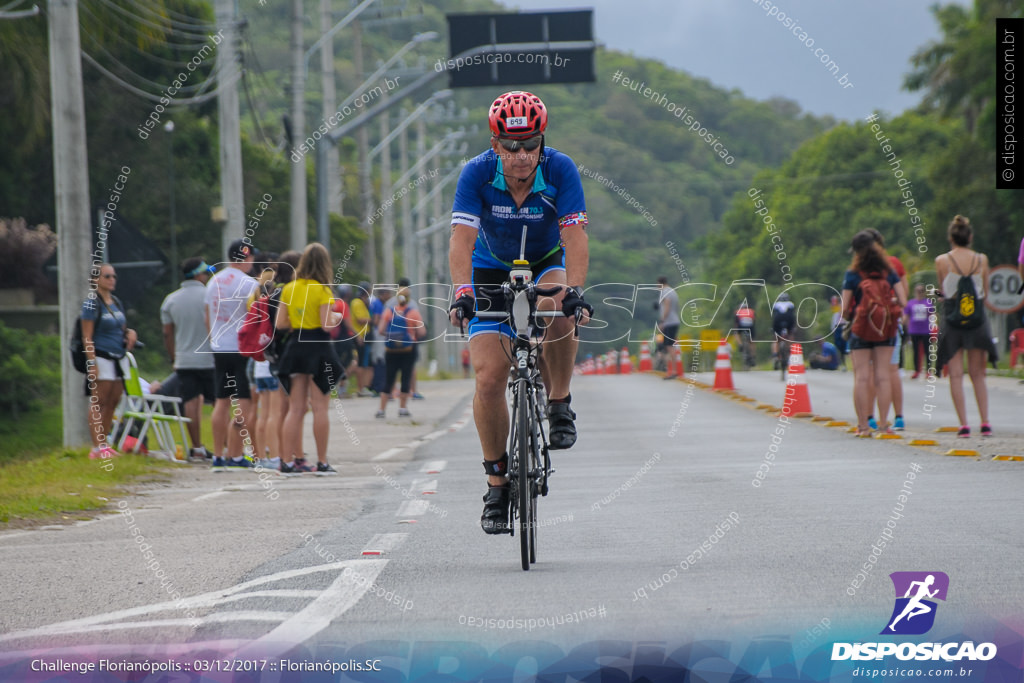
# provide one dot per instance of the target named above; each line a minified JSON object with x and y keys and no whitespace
{"x":528,"y":144}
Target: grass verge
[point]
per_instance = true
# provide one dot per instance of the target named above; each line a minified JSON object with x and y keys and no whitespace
{"x":41,"y":481}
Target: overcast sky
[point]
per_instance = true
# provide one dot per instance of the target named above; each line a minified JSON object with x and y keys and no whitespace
{"x":735,"y":44}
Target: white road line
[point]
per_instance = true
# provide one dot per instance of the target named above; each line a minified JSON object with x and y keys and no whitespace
{"x":207,"y":496}
{"x":14,"y":535}
{"x":341,"y":595}
{"x":421,"y":485}
{"x":433,"y":435}
{"x":201,"y":601}
{"x":388,"y":453}
{"x":413,"y":508}
{"x":384,"y":542}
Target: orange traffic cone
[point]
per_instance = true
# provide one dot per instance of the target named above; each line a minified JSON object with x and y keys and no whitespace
{"x":646,"y":365}
{"x":625,"y":364}
{"x":723,"y":368}
{"x":797,"y":402}
{"x":677,"y":351}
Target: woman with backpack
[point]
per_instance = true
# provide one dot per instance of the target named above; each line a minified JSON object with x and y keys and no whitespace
{"x":401,"y":327}
{"x":309,"y":367}
{"x":106,"y":339}
{"x":871,"y":290}
{"x":962,"y":275}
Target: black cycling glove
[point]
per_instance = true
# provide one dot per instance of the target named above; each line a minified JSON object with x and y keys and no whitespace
{"x":467,"y":305}
{"x":574,"y":300}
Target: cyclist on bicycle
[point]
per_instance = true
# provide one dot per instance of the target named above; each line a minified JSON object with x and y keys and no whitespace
{"x":745,"y":325}
{"x":518,"y":181}
{"x":783,"y":323}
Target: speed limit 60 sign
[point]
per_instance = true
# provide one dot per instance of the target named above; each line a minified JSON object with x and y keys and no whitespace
{"x":1001,"y":290}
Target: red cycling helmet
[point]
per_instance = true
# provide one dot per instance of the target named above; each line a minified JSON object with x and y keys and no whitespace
{"x":517,"y":115}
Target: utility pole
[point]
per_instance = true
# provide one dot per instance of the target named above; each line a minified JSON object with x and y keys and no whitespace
{"x":387,"y":238}
{"x":408,"y":238}
{"x":440,"y":278}
{"x":298,"y":220}
{"x":365,"y":179}
{"x":423,"y":266}
{"x":335,"y":191}
{"x":71,"y":187}
{"x":230,"y":125}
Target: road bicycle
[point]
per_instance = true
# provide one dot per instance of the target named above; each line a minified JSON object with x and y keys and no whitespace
{"x":529,"y":461}
{"x":746,"y":348}
{"x":529,"y":466}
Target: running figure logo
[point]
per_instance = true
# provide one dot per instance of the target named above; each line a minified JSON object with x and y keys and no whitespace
{"x":914,"y":613}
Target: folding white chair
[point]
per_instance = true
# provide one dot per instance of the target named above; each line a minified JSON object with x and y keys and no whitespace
{"x":157,"y":414}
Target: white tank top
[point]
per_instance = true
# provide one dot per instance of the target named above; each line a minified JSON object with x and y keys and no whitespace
{"x":952,"y":278}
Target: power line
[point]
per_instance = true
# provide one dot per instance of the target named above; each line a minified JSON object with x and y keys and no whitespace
{"x":252,"y":109}
{"x":191,"y":23}
{"x":163,"y":28}
{"x":107,"y":18}
{"x":197,"y":99}
{"x":163,"y":61}
{"x":196,"y":87}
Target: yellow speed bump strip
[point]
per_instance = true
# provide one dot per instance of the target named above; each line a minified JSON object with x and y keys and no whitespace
{"x":924,"y":442}
{"x":839,"y":423}
{"x":962,"y":451}
{"x":948,"y":429}
{"x":822,"y":418}
{"x":1012,"y":458}
{"x":888,"y":436}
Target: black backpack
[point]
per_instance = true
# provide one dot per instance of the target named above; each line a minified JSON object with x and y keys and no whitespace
{"x":77,"y":346}
{"x":964,"y":310}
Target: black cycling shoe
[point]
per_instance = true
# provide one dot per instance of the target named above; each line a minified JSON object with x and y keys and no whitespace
{"x":494,"y":520}
{"x":561,"y":428}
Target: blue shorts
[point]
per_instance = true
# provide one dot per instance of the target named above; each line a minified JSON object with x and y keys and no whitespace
{"x":495,"y":277}
{"x":267,"y":384}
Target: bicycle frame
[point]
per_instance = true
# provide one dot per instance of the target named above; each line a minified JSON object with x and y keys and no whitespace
{"x":529,"y":460}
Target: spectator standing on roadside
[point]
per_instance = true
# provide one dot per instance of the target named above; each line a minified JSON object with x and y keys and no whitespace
{"x":896,"y":361}
{"x":917,"y":312}
{"x":402,"y":328}
{"x":226,"y":296}
{"x":106,"y":339}
{"x":309,"y":368}
{"x":870,"y":358}
{"x":362,"y":324}
{"x":378,"y":304}
{"x":405,"y":283}
{"x":668,"y":323}
{"x":188,"y":344}
{"x":344,"y":336}
{"x":266,"y":427}
{"x":976,"y":341}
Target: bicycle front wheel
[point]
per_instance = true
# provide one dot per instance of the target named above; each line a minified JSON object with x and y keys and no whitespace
{"x":522,"y":447}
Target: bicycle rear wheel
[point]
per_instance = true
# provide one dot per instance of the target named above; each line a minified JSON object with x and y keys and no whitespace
{"x":523,"y":488}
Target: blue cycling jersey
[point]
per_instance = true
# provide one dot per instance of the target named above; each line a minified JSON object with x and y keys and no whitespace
{"x":483,"y":202}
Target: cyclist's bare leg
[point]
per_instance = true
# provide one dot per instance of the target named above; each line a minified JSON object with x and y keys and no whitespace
{"x":490,"y":411}
{"x":560,"y":341}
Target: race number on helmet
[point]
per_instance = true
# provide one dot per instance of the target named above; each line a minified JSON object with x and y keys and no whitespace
{"x":518,"y":115}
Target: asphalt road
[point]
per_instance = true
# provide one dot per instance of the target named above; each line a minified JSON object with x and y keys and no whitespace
{"x":658,"y":527}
